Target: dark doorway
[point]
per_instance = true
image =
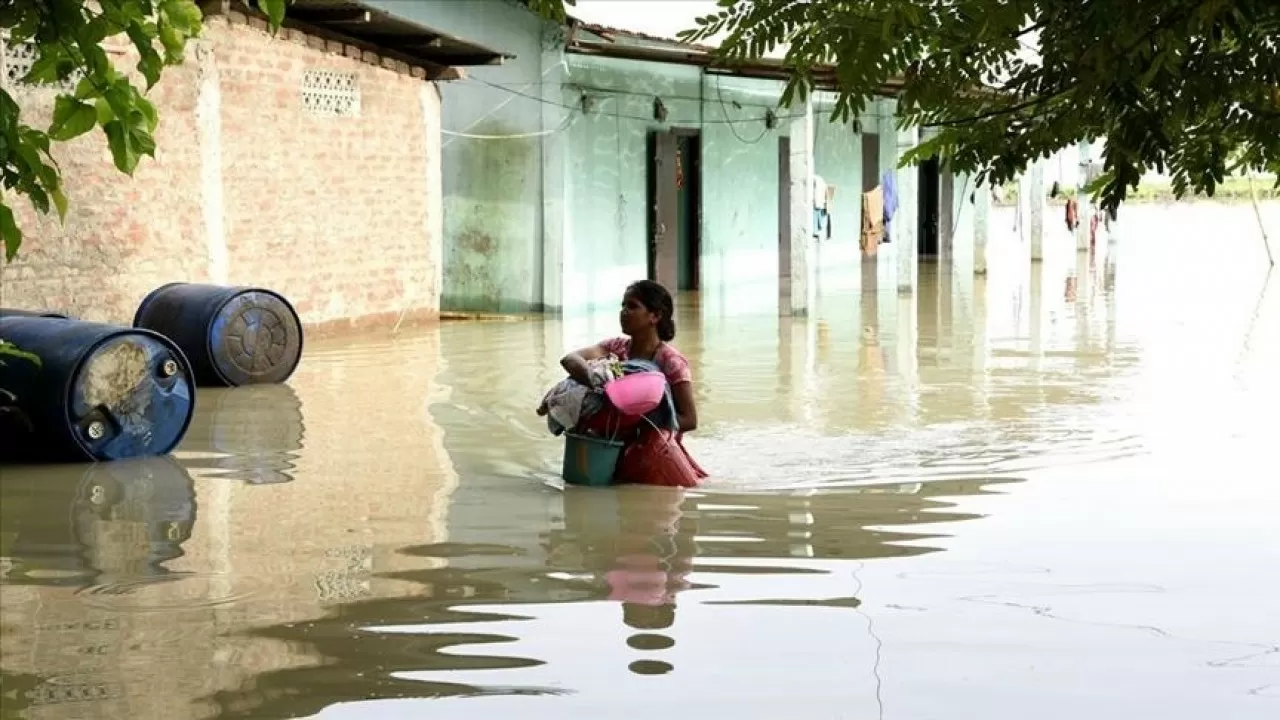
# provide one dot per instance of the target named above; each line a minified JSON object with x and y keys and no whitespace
{"x":675,"y":243}
{"x":784,"y":217}
{"x":930,"y":199}
{"x":870,"y":161}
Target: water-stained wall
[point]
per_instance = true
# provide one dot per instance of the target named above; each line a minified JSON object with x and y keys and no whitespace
{"x":546,"y":199}
{"x":491,"y":154}
{"x":739,"y":180}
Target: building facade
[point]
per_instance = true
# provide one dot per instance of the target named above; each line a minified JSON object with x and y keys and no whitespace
{"x":612,"y":156}
{"x":307,"y":162}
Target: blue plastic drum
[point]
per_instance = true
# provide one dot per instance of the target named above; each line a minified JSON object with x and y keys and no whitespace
{"x":91,"y":391}
{"x":232,"y":335}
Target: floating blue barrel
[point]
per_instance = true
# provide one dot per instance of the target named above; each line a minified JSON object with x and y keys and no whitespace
{"x":232,"y":335}
{"x":15,"y":312}
{"x":99,"y":392}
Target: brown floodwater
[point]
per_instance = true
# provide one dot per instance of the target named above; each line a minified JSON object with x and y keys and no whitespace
{"x":1039,"y":494}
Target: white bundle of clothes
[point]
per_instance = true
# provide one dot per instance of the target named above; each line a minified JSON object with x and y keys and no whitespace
{"x":569,"y":401}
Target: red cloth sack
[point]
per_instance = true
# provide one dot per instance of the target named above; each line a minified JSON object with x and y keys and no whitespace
{"x":658,"y":457}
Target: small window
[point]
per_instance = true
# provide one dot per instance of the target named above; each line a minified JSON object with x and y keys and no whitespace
{"x":327,"y":93}
{"x":18,"y":59}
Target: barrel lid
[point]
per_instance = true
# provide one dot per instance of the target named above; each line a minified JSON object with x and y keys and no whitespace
{"x":256,"y":337}
{"x":132,"y":397}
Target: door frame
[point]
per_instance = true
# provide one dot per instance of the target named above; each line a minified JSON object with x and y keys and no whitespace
{"x":929,"y":204}
{"x":662,"y":236}
{"x":784,"y":218}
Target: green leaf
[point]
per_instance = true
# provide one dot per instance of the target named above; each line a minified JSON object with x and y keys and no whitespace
{"x":149,"y":115}
{"x":274,"y":10}
{"x":105,"y":113}
{"x":71,"y":118}
{"x":172,"y":39}
{"x":10,"y":233}
{"x":8,"y":349}
{"x":149,"y":62}
{"x":185,"y":16}
{"x":123,"y":152}
{"x":59,"y":202}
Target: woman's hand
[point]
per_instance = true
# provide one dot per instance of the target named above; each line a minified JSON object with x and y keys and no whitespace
{"x":576,"y":363}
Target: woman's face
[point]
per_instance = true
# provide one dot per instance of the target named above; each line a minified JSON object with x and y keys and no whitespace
{"x":634,"y":316}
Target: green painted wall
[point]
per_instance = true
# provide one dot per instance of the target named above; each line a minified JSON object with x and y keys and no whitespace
{"x":493,"y":201}
{"x":513,"y":228}
{"x":739,"y":223}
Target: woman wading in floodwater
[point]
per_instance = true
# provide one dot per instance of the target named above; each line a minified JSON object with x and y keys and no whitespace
{"x":654,"y":456}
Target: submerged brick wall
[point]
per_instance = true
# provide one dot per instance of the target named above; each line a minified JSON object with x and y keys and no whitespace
{"x":334,"y":203}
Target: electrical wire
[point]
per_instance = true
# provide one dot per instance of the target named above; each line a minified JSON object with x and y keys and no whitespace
{"x":734,"y":128}
{"x":634,"y":93}
{"x":639,"y":118}
{"x":492,"y":111}
{"x":569,"y":119}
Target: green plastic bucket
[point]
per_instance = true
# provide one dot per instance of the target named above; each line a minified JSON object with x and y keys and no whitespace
{"x":590,"y":460}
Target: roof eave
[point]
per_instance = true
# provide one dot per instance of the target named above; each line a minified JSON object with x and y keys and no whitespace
{"x":824,"y":77}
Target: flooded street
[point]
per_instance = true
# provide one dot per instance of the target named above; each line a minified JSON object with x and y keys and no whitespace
{"x":1039,"y":493}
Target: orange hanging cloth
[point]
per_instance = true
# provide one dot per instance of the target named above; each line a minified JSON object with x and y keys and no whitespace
{"x":1073,"y":214}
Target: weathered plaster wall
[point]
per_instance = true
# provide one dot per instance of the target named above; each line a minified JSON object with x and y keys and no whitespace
{"x":340,"y":214}
{"x":492,"y":156}
{"x":739,"y":213}
{"x":607,"y":170}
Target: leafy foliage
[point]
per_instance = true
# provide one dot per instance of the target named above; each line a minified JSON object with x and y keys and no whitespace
{"x":8,"y":353}
{"x":68,"y":38}
{"x":1187,"y":87}
{"x":550,"y":9}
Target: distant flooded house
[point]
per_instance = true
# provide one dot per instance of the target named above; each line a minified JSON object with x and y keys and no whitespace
{"x":598,"y":156}
{"x":307,"y":162}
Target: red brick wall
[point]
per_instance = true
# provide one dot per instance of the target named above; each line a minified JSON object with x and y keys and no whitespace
{"x":340,"y":214}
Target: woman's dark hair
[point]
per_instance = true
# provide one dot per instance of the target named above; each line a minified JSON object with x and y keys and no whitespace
{"x":657,"y":300}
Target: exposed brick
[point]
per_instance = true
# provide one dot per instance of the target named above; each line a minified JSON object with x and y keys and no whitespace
{"x":338,"y":214}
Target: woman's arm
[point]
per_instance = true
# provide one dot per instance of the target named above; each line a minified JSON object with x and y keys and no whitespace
{"x":575,"y":363}
{"x":686,"y":407}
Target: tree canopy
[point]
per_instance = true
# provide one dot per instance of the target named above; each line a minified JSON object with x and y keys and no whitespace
{"x":67,"y":37}
{"x":1187,"y":87}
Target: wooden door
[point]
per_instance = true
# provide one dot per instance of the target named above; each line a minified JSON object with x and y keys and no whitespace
{"x":870,"y":161}
{"x":784,"y":216}
{"x":664,"y":255}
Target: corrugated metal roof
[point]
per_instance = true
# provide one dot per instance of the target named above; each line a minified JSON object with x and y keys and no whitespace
{"x":390,"y":33}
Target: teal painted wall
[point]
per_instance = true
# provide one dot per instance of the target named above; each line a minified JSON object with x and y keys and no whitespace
{"x":608,"y":196}
{"x":607,"y":193}
{"x":493,"y":199}
{"x":512,"y":228}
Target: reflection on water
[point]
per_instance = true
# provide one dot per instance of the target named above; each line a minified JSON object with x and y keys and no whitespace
{"x":1030,"y":493}
{"x":118,"y":520}
{"x":251,"y":433}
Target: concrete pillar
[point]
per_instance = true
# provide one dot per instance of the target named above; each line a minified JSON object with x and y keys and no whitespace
{"x":981,"y":382}
{"x":1036,"y":202}
{"x":557,"y":220}
{"x":906,"y":342}
{"x":1035,"y":289}
{"x":905,"y":222}
{"x":981,"y":216}
{"x":429,"y":100}
{"x":209,"y":137}
{"x":1084,"y":276}
{"x":1082,"y":199}
{"x":802,"y":270}
{"x":888,"y":131}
